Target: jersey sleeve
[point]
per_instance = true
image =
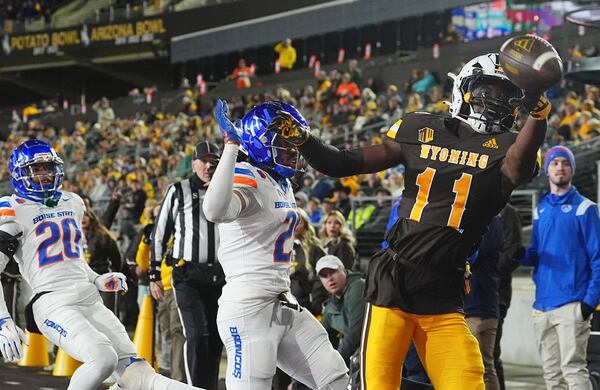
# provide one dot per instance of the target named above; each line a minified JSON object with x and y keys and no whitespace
{"x":246,"y":180}
{"x":7,"y":211}
{"x":412,"y":128}
{"x":8,"y":217}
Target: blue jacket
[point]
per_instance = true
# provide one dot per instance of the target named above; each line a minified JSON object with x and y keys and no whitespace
{"x":483,"y":301}
{"x":565,"y":251}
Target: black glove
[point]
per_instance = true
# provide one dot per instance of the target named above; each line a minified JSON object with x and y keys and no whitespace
{"x":535,"y":103}
{"x":586,"y":311}
{"x":289,"y":128}
{"x":147,"y":233}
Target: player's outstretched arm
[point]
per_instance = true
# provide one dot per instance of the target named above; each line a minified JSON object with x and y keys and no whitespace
{"x":331,"y":160}
{"x":519,"y":164}
{"x":220,"y":204}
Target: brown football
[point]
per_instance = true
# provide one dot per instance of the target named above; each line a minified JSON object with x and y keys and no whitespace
{"x":531,"y":62}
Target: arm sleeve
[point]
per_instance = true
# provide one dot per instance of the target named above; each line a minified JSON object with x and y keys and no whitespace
{"x":108,"y":216}
{"x":163,"y":229}
{"x":142,"y":256}
{"x":331,"y":160}
{"x":219,"y":203}
{"x":342,"y":163}
{"x":351,"y":340}
{"x":590,"y":224}
{"x":91,"y":274}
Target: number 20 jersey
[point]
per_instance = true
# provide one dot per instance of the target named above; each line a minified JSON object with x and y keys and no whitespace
{"x":256,"y":249}
{"x":49,"y":253}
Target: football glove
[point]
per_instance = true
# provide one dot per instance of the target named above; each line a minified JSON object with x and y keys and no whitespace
{"x":111,"y":282}
{"x":232,"y":132}
{"x":289,"y":128}
{"x":536,"y":104}
{"x":11,"y":337}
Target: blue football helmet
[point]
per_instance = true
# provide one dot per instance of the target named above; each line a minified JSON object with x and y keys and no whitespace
{"x":265,"y":147}
{"x":36,"y":170}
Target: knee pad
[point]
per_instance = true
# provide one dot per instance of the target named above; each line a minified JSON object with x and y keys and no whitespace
{"x":341,"y":383}
{"x":139,"y":375}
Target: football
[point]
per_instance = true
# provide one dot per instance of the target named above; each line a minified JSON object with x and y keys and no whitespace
{"x":531,"y":62}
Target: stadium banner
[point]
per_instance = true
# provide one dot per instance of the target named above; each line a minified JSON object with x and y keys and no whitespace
{"x":147,"y":35}
{"x":59,"y":42}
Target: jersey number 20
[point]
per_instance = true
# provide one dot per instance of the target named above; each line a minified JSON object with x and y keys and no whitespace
{"x":461,"y":188}
{"x":67,"y":231}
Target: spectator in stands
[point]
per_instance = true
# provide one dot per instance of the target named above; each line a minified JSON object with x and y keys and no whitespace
{"x":512,"y":226}
{"x":322,"y":187}
{"x":415,"y":103}
{"x":424,"y":83}
{"x":315,"y":214}
{"x":338,"y":239}
{"x":571,"y":113}
{"x":303,"y":278}
{"x":242,"y":75}
{"x":347,"y":89}
{"x":481,"y":303}
{"x":308,"y":180}
{"x":394,"y":181}
{"x":361,"y":213}
{"x":565,"y":254}
{"x":378,"y":220}
{"x":341,"y":197}
{"x":100,"y":251}
{"x":356,"y":74}
{"x":105,"y":112}
{"x":287,"y":54}
{"x":343,"y":312}
{"x":370,"y":183}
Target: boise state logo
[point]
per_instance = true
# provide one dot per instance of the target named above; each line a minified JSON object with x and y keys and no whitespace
{"x":565,"y":208}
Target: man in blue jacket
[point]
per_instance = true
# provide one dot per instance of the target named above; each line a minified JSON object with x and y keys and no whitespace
{"x":565,"y":254}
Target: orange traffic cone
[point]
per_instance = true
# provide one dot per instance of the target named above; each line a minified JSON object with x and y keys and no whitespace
{"x":64,"y":365}
{"x":36,"y":354}
{"x":144,"y":332}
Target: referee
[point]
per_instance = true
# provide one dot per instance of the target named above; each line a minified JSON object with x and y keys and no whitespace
{"x":197,"y":275}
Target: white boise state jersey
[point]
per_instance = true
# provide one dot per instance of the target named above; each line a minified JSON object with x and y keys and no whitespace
{"x":256,"y":248}
{"x":49,"y":254}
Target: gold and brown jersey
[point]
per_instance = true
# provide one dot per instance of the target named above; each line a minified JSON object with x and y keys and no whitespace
{"x":452,"y":176}
{"x":453,"y":187}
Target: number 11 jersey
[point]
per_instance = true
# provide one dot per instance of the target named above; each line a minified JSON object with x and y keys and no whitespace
{"x":453,"y":187}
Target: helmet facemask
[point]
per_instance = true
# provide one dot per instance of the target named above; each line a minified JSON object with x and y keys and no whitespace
{"x":42,"y":177}
{"x":489,"y":103}
{"x":286,"y":157}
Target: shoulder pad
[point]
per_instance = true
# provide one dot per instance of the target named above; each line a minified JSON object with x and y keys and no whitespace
{"x":405,"y":129}
{"x":7,"y":209}
{"x":245,"y":175}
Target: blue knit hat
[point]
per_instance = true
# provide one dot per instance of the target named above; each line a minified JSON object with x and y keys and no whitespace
{"x":559,"y":151}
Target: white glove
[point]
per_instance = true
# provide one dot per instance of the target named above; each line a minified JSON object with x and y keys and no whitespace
{"x":11,"y":337}
{"x":111,"y":282}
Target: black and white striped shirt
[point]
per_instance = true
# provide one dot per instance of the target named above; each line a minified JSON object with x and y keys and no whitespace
{"x":181,"y":216}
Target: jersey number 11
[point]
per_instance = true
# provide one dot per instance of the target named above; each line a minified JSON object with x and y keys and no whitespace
{"x":461,"y":188}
